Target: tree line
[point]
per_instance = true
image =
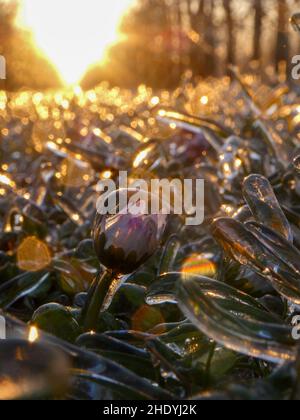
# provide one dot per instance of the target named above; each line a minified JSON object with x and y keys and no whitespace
{"x":162,"y":39}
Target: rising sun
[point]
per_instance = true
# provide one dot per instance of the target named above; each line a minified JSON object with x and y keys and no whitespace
{"x":73,"y":34}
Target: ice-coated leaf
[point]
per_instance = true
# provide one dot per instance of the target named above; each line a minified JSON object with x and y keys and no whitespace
{"x":264,"y":205}
{"x":235,"y":320}
{"x":245,"y":248}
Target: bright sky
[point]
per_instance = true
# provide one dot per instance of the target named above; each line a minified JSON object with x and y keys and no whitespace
{"x":73,"y":33}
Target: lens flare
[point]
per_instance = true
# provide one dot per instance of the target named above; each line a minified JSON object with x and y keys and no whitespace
{"x":33,"y":255}
{"x":73,"y":34}
{"x":198,"y":265}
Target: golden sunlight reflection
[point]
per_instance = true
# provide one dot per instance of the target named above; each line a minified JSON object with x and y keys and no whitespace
{"x":33,"y":334}
{"x":5,"y":180}
{"x":73,"y":34}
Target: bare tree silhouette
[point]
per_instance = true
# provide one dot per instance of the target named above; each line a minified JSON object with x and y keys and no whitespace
{"x":282,"y":44}
{"x":258,"y":27}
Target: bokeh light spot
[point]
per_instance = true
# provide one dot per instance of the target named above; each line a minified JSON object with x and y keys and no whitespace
{"x":196,"y":264}
{"x":33,"y":255}
{"x":146,"y":318}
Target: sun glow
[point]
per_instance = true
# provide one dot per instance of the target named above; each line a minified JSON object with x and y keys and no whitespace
{"x":73,"y":34}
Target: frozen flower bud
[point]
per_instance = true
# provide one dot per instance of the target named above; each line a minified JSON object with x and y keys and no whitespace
{"x":128,"y":236}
